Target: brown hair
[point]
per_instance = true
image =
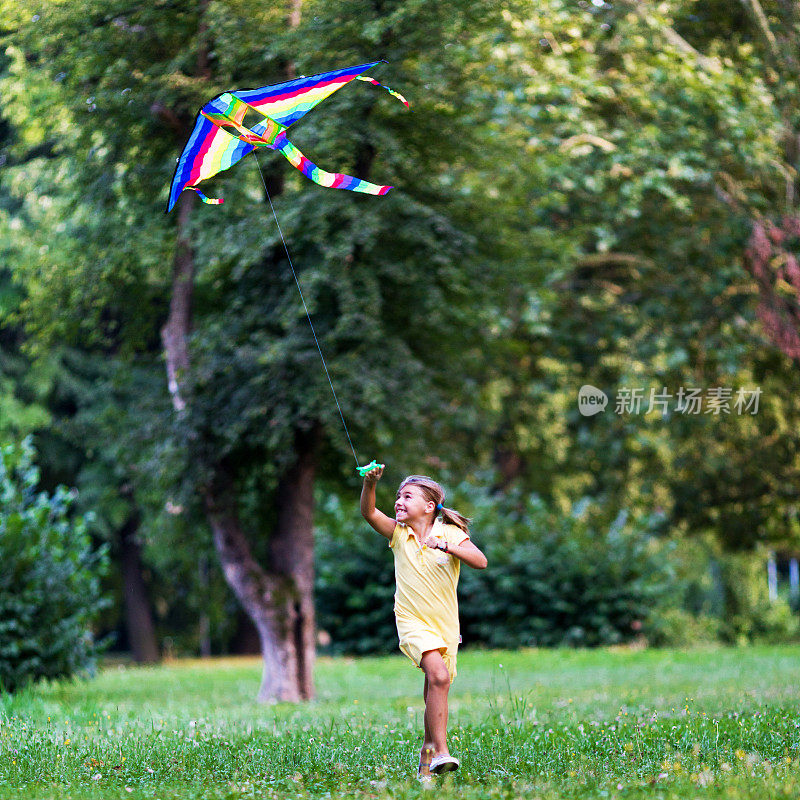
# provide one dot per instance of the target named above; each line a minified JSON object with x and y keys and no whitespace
{"x":433,"y":491}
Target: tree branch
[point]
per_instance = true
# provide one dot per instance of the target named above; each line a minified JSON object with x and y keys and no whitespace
{"x":762,"y":23}
{"x":609,"y":259}
{"x":674,"y":38}
{"x":176,"y":331}
{"x":587,"y":138}
{"x":42,"y":150}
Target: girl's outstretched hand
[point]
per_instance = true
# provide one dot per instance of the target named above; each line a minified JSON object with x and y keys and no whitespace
{"x":377,"y":519}
{"x":362,"y":471}
{"x":374,"y":475}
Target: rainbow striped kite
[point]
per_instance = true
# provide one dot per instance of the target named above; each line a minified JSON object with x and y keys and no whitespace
{"x":222,"y":135}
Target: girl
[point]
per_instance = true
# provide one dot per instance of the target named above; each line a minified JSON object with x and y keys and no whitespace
{"x":428,"y":552}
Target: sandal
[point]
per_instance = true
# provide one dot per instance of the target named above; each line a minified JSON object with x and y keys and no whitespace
{"x":442,"y":764}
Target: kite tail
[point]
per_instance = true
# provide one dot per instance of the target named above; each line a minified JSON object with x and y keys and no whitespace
{"x":212,"y":201}
{"x":334,"y":180}
{"x":391,"y":91}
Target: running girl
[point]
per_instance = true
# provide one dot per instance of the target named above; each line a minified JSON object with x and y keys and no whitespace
{"x":428,"y":552}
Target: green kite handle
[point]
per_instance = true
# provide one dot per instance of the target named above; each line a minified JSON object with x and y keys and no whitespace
{"x":362,"y":471}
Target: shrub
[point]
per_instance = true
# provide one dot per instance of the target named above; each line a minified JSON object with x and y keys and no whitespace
{"x":354,"y":582}
{"x":677,"y":627}
{"x":49,"y":581}
{"x":749,"y":614}
{"x":695,"y":610}
{"x":559,"y":578}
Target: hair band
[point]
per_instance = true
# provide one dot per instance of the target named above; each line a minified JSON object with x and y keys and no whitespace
{"x":439,"y":506}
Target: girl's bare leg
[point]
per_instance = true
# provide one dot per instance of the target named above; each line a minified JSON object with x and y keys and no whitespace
{"x":426,"y":753}
{"x":428,"y":734}
{"x":437,"y":686}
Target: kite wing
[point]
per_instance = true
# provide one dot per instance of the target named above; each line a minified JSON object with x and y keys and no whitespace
{"x":220,"y":138}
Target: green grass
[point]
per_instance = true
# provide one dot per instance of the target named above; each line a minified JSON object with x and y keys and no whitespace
{"x":715,"y":723}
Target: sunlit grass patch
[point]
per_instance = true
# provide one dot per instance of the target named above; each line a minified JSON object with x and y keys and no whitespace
{"x":601,"y":723}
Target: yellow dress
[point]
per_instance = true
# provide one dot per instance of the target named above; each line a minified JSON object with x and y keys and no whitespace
{"x":425,"y":602}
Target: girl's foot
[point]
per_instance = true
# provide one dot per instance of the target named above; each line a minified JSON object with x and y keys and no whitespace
{"x":443,"y":763}
{"x":424,"y":773}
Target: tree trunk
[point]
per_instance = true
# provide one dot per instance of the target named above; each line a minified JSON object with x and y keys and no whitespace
{"x":204,"y":632}
{"x":292,"y":555}
{"x":138,"y":616}
{"x":175,"y":333}
{"x":510,"y":465}
{"x":273,"y":601}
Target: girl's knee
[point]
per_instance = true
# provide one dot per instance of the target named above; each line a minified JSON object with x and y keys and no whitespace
{"x":438,"y":676}
{"x":442,"y":679}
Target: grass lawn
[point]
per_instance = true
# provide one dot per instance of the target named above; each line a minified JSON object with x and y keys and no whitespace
{"x":713,"y":723}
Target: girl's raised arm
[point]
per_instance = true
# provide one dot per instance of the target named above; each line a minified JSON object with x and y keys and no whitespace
{"x":377,"y":519}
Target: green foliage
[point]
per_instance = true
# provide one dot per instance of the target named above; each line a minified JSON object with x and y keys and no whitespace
{"x":677,"y":627}
{"x":749,"y":613}
{"x":568,"y":210}
{"x":23,"y":388}
{"x":23,"y":382}
{"x":558,"y":578}
{"x":389,"y":281}
{"x":354,"y":582}
{"x":628,"y":228}
{"x":49,"y":584}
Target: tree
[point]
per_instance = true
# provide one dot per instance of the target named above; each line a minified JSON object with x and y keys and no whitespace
{"x":254,"y":410}
{"x":634,"y":139}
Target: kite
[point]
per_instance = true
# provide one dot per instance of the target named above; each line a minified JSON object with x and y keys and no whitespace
{"x":221,"y":135}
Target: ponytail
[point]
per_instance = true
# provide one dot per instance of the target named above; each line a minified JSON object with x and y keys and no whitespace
{"x":451,"y":517}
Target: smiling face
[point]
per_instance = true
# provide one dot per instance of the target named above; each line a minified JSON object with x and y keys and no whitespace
{"x":411,"y":505}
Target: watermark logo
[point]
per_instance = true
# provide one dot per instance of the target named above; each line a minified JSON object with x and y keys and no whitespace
{"x":591,"y":400}
{"x":716,"y":400}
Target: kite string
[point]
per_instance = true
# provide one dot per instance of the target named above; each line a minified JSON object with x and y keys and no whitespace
{"x":308,"y":316}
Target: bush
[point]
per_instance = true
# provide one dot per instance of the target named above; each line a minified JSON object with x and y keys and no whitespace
{"x":676,"y":627}
{"x":749,"y":614}
{"x":49,"y":581}
{"x":553,"y":578}
{"x":562,"y":578}
{"x":354,"y":582}
{"x":694,"y":613}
